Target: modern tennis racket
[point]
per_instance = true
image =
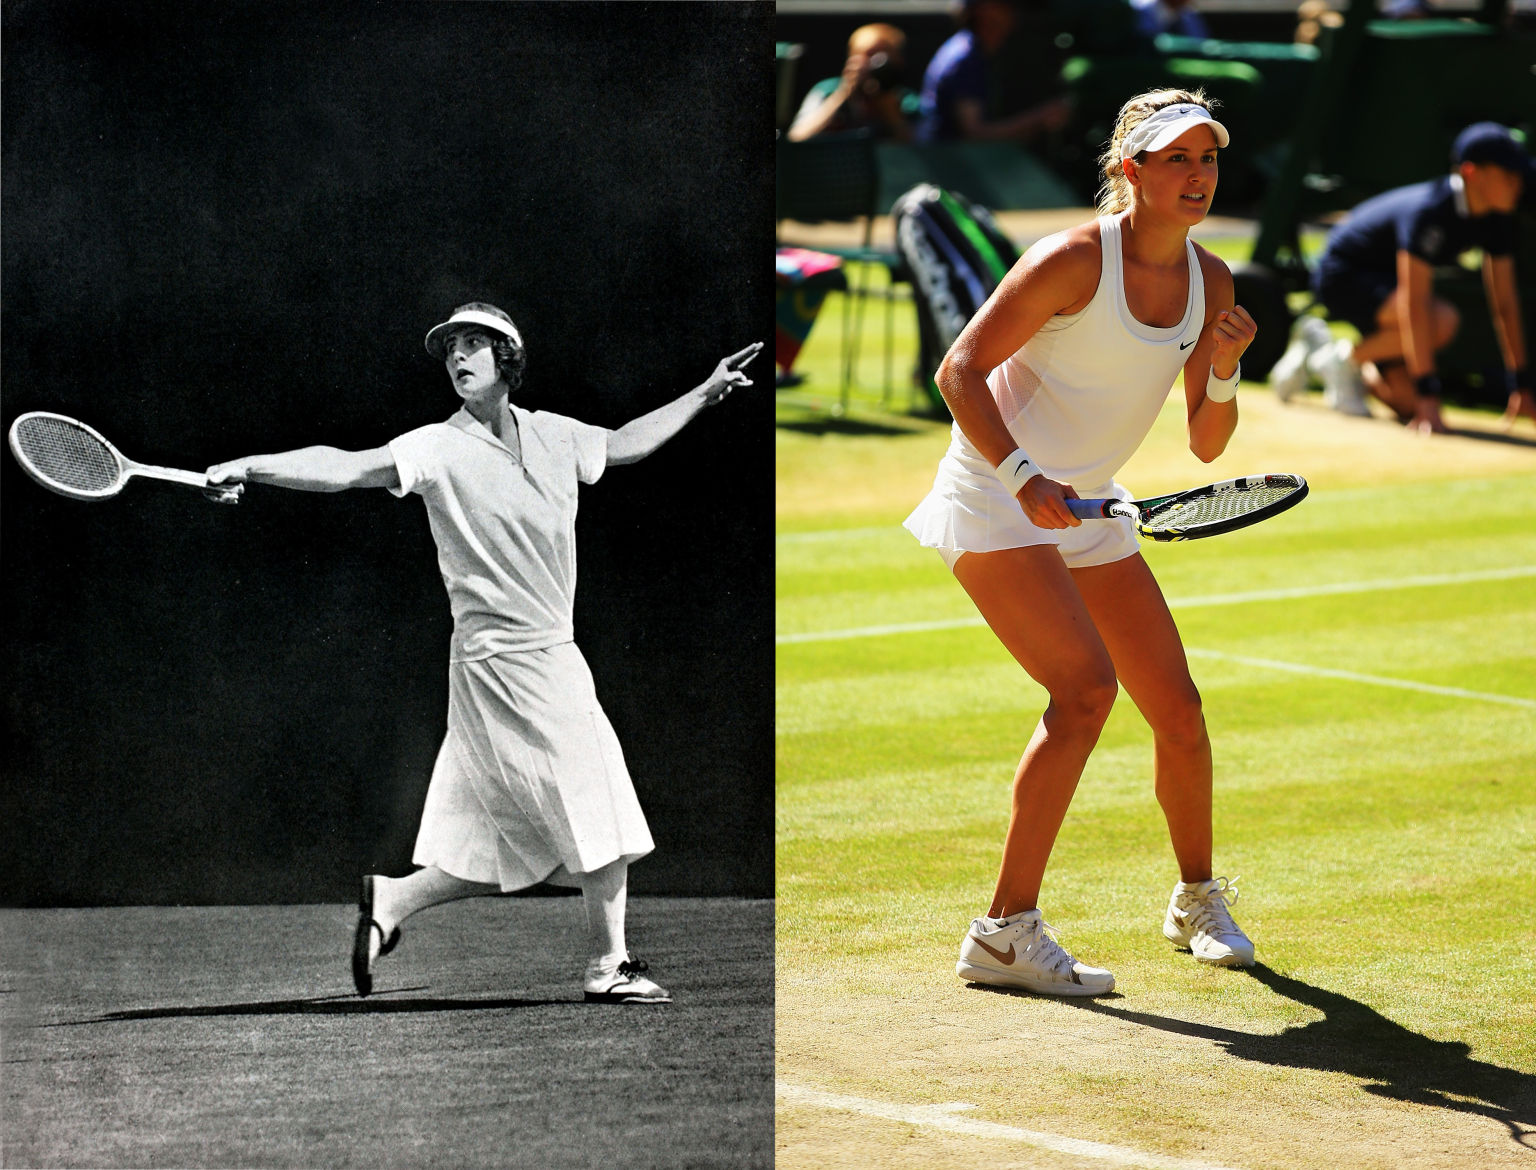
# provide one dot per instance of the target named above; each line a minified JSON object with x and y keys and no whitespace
{"x":70,"y":458}
{"x":1204,"y":511}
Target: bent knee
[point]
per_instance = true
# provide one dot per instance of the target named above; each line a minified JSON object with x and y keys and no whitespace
{"x":1086,"y":702}
{"x":1179,"y":718}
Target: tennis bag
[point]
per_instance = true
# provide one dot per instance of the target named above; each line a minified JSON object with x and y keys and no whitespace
{"x":956,"y":255}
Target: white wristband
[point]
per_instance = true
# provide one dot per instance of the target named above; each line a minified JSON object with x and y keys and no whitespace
{"x":1223,"y":389}
{"x":1015,"y":471}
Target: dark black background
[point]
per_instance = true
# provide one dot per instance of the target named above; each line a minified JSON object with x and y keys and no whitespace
{"x":226,"y":229}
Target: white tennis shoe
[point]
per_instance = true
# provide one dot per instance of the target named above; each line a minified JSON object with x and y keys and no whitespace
{"x":1022,"y":951}
{"x":1343,"y":388}
{"x":1289,"y":375}
{"x":622,"y":982}
{"x":1199,"y":918}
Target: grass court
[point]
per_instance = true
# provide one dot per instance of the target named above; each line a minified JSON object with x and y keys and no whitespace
{"x":1368,"y":664}
{"x":231,"y":1036}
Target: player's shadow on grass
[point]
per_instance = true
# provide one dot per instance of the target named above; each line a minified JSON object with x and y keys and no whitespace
{"x":1355,"y":1039}
{"x":1504,"y":437}
{"x":335,"y":1005}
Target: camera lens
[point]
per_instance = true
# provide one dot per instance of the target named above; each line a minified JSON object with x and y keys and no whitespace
{"x":883,"y":70}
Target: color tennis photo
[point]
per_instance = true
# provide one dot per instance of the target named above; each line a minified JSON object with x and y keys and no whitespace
{"x":1156,"y":526}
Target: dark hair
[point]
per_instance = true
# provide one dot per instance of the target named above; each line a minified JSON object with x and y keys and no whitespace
{"x":511,"y":360}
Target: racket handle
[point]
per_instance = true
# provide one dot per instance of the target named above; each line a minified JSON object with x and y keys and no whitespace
{"x":1091,"y":509}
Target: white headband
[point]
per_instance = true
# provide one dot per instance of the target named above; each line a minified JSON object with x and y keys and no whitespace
{"x":1167,"y":124}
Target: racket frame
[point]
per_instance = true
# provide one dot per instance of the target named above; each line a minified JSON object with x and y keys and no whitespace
{"x":126,"y":468}
{"x":1142,"y":513}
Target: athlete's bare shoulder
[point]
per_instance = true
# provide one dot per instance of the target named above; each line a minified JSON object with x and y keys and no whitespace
{"x":1218,"y":281}
{"x":1068,"y":263}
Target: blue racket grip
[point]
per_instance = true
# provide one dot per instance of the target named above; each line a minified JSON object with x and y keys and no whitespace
{"x":1091,"y":509}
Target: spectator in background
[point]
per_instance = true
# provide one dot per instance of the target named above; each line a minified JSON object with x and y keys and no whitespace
{"x":1312,"y":16}
{"x":957,"y":84}
{"x":869,"y":94}
{"x":1169,"y":16}
{"x":1407,"y":10}
{"x":1377,"y":273}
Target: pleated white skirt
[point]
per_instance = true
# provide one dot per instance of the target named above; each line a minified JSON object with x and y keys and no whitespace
{"x":530,"y":783}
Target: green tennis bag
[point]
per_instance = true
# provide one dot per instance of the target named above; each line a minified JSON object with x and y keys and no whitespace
{"x":955,"y":255}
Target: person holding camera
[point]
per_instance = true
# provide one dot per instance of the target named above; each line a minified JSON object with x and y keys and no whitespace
{"x":869,"y":94}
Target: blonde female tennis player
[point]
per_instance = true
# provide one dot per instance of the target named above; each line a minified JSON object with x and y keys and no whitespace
{"x":530,"y":783}
{"x":1053,"y":385}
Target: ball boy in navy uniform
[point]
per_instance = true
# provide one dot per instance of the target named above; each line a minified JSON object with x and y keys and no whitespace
{"x":1377,"y":273}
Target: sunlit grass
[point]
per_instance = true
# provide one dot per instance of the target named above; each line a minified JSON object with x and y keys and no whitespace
{"x":1386,"y":837}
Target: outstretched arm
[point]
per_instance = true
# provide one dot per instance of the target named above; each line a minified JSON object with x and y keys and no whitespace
{"x":638,"y":438}
{"x":312,"y":469}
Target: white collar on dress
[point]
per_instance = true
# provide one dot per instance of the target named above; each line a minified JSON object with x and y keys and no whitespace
{"x":469,"y":424}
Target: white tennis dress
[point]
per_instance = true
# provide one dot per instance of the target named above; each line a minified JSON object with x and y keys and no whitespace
{"x":530,"y":784}
{"x":1078,"y":397}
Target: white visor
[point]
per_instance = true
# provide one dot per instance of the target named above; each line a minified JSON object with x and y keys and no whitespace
{"x":1167,"y":124}
{"x":437,"y":336}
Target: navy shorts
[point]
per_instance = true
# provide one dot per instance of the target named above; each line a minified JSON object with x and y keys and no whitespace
{"x":1353,"y":296}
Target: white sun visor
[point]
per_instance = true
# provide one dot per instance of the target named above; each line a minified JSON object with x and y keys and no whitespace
{"x":438,"y":333}
{"x":1166,"y":125}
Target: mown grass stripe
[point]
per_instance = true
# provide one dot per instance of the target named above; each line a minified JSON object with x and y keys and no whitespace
{"x":1213,"y":599}
{"x":944,"y":1117}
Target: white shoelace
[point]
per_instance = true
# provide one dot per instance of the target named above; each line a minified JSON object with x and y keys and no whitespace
{"x":1041,"y":946}
{"x":1210,"y":912}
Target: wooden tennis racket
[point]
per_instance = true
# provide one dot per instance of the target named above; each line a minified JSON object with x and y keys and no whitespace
{"x":68,"y":457}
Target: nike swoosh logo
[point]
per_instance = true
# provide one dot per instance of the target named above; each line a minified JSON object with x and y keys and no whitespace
{"x":1187,"y":344}
{"x":996,"y":954}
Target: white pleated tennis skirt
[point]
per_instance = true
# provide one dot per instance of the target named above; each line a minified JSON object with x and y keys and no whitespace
{"x":969,"y":510}
{"x":530,"y":783}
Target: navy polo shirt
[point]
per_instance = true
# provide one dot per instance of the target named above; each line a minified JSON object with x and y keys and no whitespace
{"x":1428,"y":220}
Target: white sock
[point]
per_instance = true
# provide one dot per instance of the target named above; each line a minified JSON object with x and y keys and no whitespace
{"x":603,"y":895}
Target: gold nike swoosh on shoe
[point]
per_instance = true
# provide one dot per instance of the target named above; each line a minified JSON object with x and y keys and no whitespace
{"x":996,"y":954}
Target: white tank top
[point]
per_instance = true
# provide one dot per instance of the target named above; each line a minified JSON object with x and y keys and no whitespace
{"x":1082,"y":393}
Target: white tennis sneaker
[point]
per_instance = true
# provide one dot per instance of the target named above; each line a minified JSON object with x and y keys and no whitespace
{"x":1199,"y":918}
{"x":1343,"y":388}
{"x":1289,"y":375}
{"x":1022,"y":951}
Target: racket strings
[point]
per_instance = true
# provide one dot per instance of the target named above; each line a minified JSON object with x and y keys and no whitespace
{"x":1221,"y":506}
{"x":60,"y":451}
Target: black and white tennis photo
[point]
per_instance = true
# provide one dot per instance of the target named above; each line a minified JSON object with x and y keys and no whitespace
{"x":387,"y":552}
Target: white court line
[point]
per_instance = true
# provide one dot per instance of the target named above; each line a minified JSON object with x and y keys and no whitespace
{"x":1209,"y":599}
{"x":1354,"y":587}
{"x":943,"y":1117}
{"x":1352,"y":676}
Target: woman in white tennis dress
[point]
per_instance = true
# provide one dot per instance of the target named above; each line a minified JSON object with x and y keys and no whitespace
{"x":1053,"y":385}
{"x":530,"y":783}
